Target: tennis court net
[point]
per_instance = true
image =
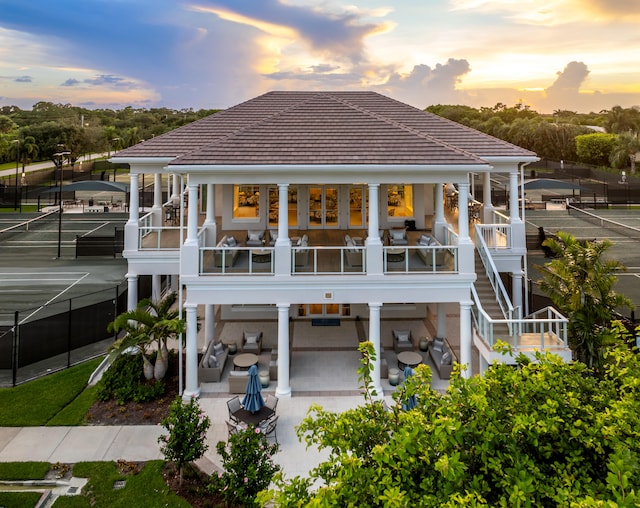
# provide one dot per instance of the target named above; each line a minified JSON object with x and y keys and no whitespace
{"x":607,"y":224}
{"x":42,"y":222}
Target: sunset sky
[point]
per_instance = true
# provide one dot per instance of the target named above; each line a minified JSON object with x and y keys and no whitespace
{"x":581,"y":55}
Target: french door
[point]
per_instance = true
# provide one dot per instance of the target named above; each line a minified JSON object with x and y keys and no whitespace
{"x":323,"y":206}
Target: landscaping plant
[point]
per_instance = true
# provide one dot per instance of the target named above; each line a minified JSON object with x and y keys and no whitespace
{"x":248,"y":467}
{"x":187,"y":427}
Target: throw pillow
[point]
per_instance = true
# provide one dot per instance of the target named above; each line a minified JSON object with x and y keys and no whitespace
{"x":397,"y":235}
{"x":446,"y":358}
{"x":402,"y":335}
{"x":347,"y":239}
{"x":253,"y":237}
{"x":218,"y":348}
{"x":424,"y":239}
{"x":231,"y":241}
{"x":251,"y":337}
{"x":213,"y":362}
{"x":437,"y":344}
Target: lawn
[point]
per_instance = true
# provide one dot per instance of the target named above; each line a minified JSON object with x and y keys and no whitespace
{"x":66,"y":402}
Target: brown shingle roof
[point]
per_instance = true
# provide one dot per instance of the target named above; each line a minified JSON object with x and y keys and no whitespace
{"x":323,"y":128}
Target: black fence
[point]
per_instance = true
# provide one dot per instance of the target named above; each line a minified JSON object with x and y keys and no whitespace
{"x":53,"y":337}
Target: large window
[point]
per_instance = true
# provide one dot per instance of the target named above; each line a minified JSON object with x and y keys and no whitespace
{"x":400,"y":201}
{"x":246,"y":201}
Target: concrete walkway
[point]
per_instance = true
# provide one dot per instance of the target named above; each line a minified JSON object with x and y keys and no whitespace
{"x":140,"y":442}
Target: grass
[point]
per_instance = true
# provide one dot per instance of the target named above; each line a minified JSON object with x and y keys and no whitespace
{"x":24,"y":209}
{"x":19,"y":499}
{"x":13,"y":471}
{"x":57,"y":399}
{"x":146,"y":488}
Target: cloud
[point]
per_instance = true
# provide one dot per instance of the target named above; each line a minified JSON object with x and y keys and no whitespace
{"x":340,"y":34}
{"x":70,"y":82}
{"x":570,"y":79}
{"x":425,"y":85}
{"x":23,"y":79}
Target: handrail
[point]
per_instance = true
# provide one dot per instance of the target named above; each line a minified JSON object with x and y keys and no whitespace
{"x":552,"y":328}
{"x":502,"y":297}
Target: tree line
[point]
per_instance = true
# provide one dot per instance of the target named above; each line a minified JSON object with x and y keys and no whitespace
{"x":609,"y":138}
{"x":48,"y":128}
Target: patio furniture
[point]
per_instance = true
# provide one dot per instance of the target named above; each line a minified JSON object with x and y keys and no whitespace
{"x":268,"y":428}
{"x":255,"y":238}
{"x":442,"y":357}
{"x":402,"y":341}
{"x":235,"y":427}
{"x":261,"y":255}
{"x":252,"y":342}
{"x":231,"y":253}
{"x":255,"y":419}
{"x":264,"y":378}
{"x":271,"y":401}
{"x":244,"y":361}
{"x":212,"y":363}
{"x":238,"y":380}
{"x":233,"y":405}
{"x":409,"y":359}
{"x":395,"y":255}
{"x":398,"y":237}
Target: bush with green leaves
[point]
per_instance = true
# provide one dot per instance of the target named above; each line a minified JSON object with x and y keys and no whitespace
{"x":542,"y":433}
{"x":123,"y":381}
{"x":248,"y":467}
{"x":187,"y":426}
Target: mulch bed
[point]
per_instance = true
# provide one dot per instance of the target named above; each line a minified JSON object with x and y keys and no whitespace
{"x":137,"y":413}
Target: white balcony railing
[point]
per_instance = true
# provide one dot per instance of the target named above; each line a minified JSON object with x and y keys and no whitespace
{"x":237,"y":261}
{"x":420,"y":259}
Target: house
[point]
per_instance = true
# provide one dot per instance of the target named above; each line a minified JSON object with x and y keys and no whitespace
{"x":287,"y":167}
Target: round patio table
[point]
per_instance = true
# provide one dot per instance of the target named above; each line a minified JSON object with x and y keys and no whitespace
{"x":245,"y":360}
{"x":409,"y":359}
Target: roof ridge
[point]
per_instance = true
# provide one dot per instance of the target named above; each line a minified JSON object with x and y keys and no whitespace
{"x":406,"y":128}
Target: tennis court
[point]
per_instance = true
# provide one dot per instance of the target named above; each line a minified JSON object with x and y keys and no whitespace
{"x":32,"y":274}
{"x":621,"y":226}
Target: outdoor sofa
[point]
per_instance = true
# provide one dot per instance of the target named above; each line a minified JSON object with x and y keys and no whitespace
{"x":212,"y":363}
{"x":428,"y":253}
{"x":442,"y":356}
{"x":227,"y":242}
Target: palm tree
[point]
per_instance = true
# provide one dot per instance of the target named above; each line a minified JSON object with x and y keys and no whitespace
{"x":580,"y":284}
{"x":149,"y":324}
{"x":624,"y":151}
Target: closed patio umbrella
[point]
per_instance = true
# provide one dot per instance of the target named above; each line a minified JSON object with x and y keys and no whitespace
{"x":253,"y":400}
{"x":411,"y":402}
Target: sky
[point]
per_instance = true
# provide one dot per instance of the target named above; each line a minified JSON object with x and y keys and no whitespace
{"x":578,"y":55}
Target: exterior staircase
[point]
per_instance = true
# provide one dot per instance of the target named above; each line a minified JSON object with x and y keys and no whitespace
{"x":488,"y":298}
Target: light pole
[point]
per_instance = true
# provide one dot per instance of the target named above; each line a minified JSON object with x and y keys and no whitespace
{"x":15,"y":202}
{"x":58,"y":159}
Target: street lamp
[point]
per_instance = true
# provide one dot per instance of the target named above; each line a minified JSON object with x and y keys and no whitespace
{"x":15,"y":203}
{"x":58,"y":160}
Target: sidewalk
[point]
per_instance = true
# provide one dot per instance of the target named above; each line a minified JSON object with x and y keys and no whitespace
{"x":140,"y":443}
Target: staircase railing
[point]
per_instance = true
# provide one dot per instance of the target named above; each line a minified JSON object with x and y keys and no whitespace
{"x":502,"y":297}
{"x":544,"y":329}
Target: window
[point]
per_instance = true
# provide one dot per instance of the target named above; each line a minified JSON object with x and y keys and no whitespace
{"x":400,"y":201}
{"x":246,"y":201}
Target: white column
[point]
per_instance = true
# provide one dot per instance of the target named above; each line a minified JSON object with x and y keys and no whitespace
{"x":209,"y":324}
{"x":439,"y":223}
{"x":192,"y":221}
{"x":373,"y":243}
{"x":463,"y":211}
{"x":514,"y":211}
{"x":282,"y":247}
{"x":516,"y":289}
{"x":374,"y":211}
{"x":132,"y":292}
{"x":210,"y":218}
{"x":156,"y":288}
{"x":191,"y":389}
{"x":283,"y":389}
{"x":374,"y":337}
{"x":441,"y":320}
{"x":157,"y":190}
{"x":176,"y":186}
{"x":487,"y":205}
{"x":465,"y":337}
{"x":134,"y":203}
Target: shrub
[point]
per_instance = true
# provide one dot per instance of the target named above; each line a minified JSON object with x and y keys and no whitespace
{"x":248,"y":467}
{"x":187,"y":426}
{"x":124,"y":382}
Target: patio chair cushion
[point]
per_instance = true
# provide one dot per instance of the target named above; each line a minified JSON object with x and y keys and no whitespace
{"x":255,"y":236}
{"x":213,"y":362}
{"x":437,"y":344}
{"x":231,"y":241}
{"x":218,"y":348}
{"x":397,"y":234}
